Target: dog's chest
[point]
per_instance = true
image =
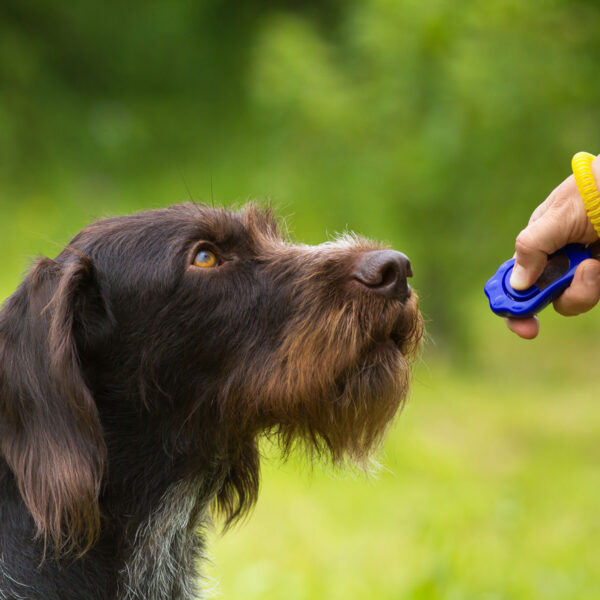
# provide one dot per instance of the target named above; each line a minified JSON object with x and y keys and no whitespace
{"x":166,"y":550}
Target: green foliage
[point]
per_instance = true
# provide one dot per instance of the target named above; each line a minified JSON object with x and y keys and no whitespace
{"x":435,"y":126}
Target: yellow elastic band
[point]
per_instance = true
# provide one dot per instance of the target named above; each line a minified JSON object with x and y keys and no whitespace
{"x":582,"y":169}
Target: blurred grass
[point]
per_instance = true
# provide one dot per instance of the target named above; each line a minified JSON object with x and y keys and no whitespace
{"x":489,"y":491}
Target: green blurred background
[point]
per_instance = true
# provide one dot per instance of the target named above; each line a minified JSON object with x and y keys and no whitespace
{"x":435,"y":126}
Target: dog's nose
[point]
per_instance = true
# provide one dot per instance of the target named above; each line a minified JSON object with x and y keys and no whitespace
{"x":384,"y":272}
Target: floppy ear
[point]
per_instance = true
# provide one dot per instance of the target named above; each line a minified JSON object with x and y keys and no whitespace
{"x":50,"y":431}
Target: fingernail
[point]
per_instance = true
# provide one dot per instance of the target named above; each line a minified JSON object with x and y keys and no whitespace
{"x":518,"y":278}
{"x":591,"y":276}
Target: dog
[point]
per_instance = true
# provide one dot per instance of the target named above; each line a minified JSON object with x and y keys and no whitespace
{"x":140,"y":367}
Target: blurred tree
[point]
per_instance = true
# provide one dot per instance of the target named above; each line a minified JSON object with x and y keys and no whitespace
{"x":435,"y":126}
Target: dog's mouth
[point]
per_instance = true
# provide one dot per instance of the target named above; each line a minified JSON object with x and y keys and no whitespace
{"x":403,"y":330}
{"x":397,"y":339}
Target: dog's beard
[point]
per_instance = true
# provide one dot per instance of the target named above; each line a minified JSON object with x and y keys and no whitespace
{"x":335,"y":383}
{"x":346,"y":416}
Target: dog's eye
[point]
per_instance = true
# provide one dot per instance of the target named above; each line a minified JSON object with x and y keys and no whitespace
{"x":205,"y":259}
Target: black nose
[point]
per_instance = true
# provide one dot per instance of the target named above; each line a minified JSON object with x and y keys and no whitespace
{"x":384,"y":272}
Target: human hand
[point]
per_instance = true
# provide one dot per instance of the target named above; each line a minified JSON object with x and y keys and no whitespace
{"x":561,"y":219}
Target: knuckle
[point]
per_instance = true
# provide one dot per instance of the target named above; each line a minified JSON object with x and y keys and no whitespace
{"x":565,"y":308}
{"x":525,"y":242}
{"x":575,"y":301}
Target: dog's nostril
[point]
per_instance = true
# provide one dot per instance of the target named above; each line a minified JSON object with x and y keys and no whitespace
{"x":388,"y":275}
{"x":384,"y":272}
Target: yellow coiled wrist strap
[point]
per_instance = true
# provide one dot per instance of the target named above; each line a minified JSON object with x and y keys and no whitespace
{"x":586,"y":184}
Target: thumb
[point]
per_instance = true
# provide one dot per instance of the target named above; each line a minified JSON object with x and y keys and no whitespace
{"x":533,"y":245}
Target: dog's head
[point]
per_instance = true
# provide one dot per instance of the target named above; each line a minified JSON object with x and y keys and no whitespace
{"x":211,"y":328}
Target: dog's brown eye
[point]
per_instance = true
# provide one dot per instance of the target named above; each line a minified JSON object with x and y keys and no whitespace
{"x":205,"y":259}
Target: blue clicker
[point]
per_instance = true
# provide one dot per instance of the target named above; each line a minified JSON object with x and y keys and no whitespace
{"x":557,"y":276}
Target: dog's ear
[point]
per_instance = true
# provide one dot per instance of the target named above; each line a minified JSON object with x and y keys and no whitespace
{"x":50,"y":431}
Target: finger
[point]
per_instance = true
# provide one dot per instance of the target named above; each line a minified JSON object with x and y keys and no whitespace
{"x":525,"y":328}
{"x":533,"y":244}
{"x":566,"y":188}
{"x":584,"y":291}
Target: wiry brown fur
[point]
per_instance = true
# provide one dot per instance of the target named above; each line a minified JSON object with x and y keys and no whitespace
{"x":134,"y":387}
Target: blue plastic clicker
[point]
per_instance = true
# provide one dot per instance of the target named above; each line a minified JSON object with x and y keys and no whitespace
{"x":557,"y":276}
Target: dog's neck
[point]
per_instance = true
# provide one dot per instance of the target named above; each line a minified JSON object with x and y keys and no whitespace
{"x":165,"y":549}
{"x":168,"y":462}
{"x":155,"y":503}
